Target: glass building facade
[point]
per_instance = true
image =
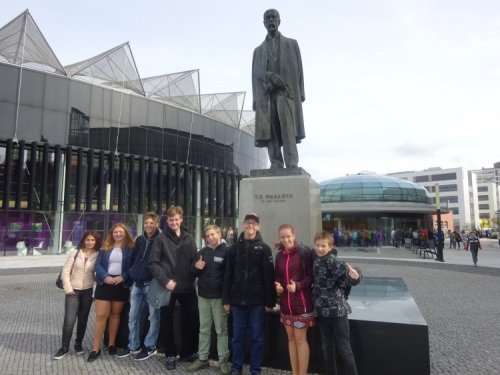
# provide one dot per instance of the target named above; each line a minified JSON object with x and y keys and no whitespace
{"x":64,"y":141}
{"x":371,"y":202}
{"x":367,"y":188}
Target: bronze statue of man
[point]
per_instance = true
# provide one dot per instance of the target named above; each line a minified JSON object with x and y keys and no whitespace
{"x":278,"y":93}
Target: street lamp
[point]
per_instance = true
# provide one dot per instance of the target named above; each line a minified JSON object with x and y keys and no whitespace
{"x":439,"y":234}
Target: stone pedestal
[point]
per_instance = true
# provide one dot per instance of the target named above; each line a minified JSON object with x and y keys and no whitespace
{"x":282,"y":196}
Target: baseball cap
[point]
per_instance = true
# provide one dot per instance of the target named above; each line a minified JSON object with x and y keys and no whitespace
{"x":252,"y":216}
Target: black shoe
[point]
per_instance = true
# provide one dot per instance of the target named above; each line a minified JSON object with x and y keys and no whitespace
{"x":145,"y":354}
{"x":112,"y":350}
{"x":125,"y":352}
{"x":79,"y":349}
{"x":93,"y":356}
{"x":190,"y":358}
{"x":170,"y":363}
{"x":61,"y":353}
{"x":236,"y":372}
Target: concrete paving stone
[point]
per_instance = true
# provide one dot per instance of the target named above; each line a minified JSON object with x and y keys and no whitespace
{"x":459,"y":302}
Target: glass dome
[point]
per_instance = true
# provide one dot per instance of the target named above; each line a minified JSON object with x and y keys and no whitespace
{"x":365,"y":188}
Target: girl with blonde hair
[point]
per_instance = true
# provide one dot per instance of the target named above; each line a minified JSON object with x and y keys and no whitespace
{"x":113,"y":285}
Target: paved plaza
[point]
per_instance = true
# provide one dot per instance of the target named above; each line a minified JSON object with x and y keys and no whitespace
{"x":460,"y":303}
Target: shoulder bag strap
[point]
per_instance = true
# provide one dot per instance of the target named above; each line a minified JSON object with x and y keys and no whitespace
{"x":74,"y":260}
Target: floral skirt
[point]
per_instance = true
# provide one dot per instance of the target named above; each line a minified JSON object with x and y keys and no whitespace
{"x":298,"y":321}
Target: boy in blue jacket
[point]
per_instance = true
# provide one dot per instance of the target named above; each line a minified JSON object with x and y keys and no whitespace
{"x":142,"y":276}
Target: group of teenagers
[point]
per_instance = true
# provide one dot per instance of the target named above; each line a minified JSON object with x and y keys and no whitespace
{"x":243,"y":279}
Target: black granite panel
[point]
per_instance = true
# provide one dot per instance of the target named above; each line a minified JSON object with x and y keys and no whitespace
{"x":389,"y":335}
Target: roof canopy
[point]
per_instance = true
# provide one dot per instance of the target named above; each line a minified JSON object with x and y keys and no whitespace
{"x":22,"y":43}
{"x":223,"y":107}
{"x":115,"y":67}
{"x":174,"y":84}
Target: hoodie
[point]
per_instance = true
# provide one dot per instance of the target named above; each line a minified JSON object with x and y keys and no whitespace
{"x":140,"y":272}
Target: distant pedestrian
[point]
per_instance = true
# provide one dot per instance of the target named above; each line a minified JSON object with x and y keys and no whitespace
{"x":453,"y":239}
{"x":458,"y":238}
{"x":439,"y":245}
{"x":431,"y":238}
{"x":379,"y":238}
{"x":473,"y":244}
{"x":464,"y":239}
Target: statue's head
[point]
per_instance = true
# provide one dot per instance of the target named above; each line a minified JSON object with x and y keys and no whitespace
{"x":272,"y":20}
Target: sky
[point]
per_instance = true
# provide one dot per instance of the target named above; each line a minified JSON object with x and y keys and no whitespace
{"x":391,"y":85}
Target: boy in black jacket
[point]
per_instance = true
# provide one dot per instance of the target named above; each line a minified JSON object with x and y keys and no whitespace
{"x":171,"y":261}
{"x":248,"y":292}
{"x":142,"y":276}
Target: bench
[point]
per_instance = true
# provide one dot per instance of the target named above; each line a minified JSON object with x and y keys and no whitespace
{"x":425,"y":248}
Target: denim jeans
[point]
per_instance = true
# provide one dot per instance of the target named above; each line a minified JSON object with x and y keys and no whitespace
{"x":244,"y":318}
{"x":76,"y":306}
{"x":474,"y":255}
{"x":335,"y":332}
{"x":212,"y":311}
{"x":137,"y":301}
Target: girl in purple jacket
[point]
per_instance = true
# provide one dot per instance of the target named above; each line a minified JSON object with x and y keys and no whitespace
{"x":293,"y":280}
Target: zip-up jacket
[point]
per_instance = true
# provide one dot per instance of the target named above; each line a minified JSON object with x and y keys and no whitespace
{"x":249,"y":275}
{"x":102,"y":263}
{"x":172,"y":258}
{"x":290,"y":265}
{"x":211,"y":277}
{"x":331,"y":280}
{"x":80,"y":275}
{"x":140,"y":272}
